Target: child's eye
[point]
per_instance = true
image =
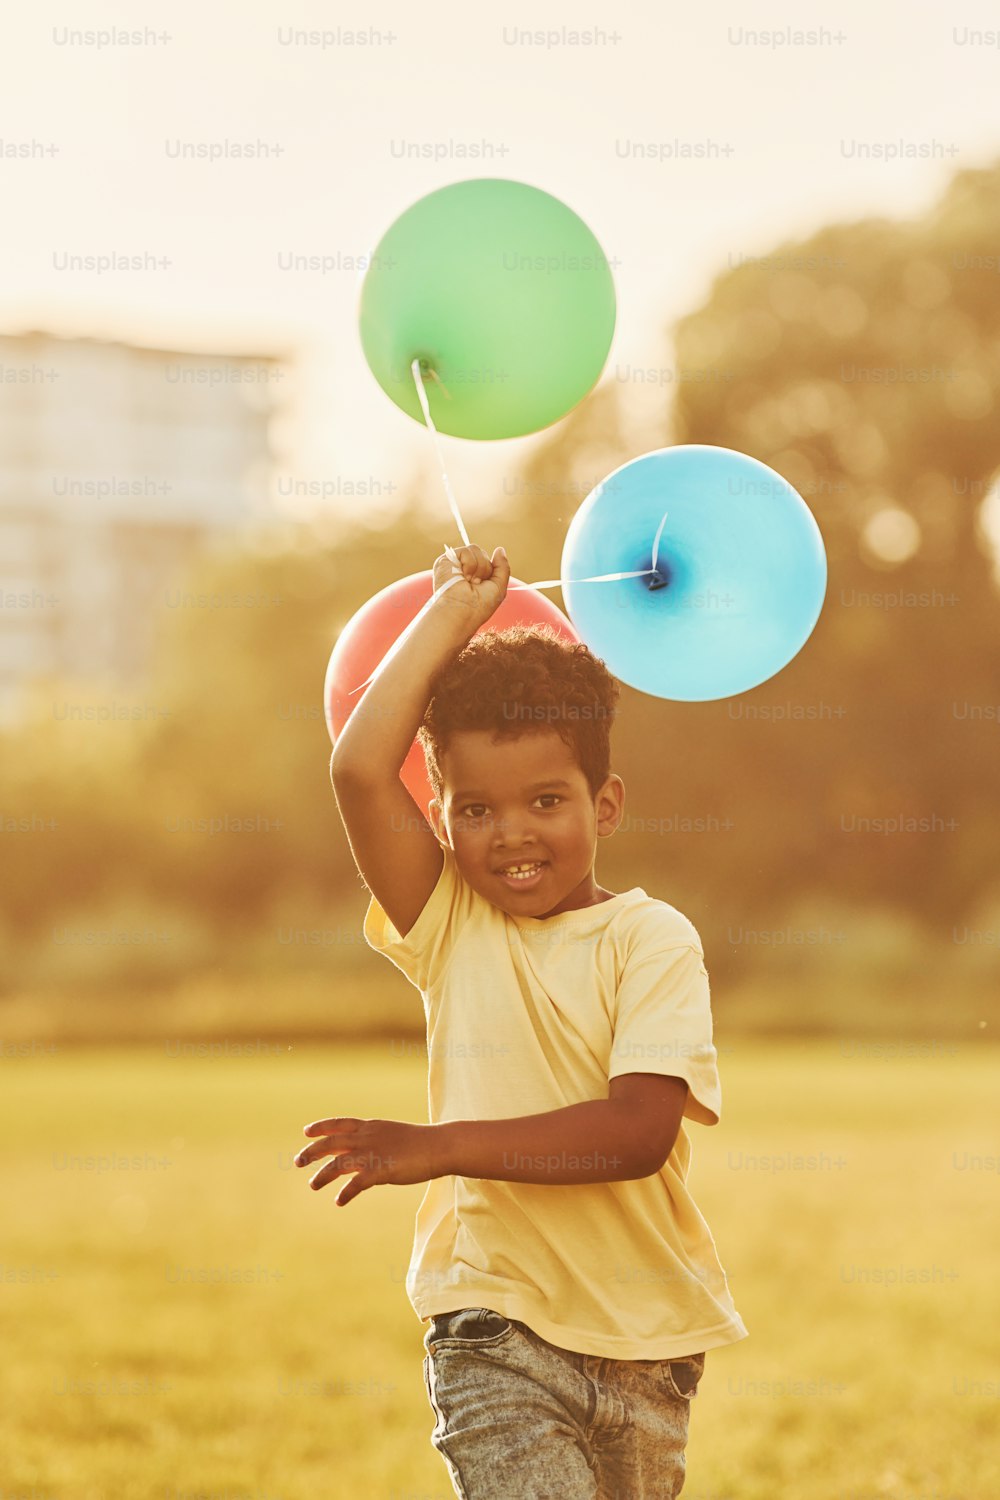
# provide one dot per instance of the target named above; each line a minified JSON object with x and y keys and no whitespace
{"x":471,"y":808}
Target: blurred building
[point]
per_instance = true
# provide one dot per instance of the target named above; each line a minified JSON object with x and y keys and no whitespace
{"x":117,"y":465}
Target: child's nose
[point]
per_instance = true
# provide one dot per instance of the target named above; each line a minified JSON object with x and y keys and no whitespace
{"x":513,"y":838}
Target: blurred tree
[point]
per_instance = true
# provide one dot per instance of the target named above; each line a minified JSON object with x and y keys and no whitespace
{"x":864,"y":368}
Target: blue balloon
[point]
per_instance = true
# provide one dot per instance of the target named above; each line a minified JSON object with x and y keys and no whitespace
{"x":740,"y":579}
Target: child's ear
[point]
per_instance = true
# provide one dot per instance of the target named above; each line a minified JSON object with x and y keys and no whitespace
{"x":436,"y":815}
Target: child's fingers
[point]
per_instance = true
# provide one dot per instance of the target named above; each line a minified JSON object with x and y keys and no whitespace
{"x":474,"y":563}
{"x":470,"y":560}
{"x":500,"y":569}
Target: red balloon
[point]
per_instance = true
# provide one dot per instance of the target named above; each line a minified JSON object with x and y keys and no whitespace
{"x":370,"y":632}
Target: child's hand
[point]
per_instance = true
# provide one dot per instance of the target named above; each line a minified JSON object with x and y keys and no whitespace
{"x":377,"y":1151}
{"x":485,"y":581}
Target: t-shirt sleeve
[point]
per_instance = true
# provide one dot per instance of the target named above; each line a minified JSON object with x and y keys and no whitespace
{"x":663,"y":1019}
{"x":424,"y":953}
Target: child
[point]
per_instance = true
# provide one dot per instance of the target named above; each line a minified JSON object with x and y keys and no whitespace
{"x":570,"y":1284}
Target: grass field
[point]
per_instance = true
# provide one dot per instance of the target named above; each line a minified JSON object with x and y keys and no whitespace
{"x":194,"y":1322}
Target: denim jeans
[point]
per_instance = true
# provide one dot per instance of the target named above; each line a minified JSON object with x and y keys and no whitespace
{"x":518,"y":1418}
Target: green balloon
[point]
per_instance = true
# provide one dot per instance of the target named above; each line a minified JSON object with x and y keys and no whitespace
{"x":504,"y":295}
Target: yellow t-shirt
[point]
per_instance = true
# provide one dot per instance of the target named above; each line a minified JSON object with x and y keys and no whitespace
{"x":526,"y":1015}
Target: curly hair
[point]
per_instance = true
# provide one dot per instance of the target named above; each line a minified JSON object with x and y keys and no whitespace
{"x":520,"y":680}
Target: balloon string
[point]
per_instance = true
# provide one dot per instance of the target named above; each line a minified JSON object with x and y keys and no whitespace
{"x":557,"y":583}
{"x":415,"y":368}
{"x":544,"y":583}
{"x":656,"y":539}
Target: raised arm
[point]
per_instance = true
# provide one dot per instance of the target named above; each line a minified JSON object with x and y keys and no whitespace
{"x":394,"y":848}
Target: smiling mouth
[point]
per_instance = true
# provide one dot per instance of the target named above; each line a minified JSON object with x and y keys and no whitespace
{"x":525,"y":875}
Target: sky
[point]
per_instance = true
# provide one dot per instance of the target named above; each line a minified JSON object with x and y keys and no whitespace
{"x":854,"y":111}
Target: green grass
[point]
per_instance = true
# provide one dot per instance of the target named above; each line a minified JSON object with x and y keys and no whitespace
{"x":304,"y":1378}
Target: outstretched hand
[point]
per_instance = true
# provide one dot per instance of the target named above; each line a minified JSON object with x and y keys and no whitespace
{"x":377,"y":1151}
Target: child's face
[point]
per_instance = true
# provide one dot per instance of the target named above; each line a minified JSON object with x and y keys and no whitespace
{"x":524,"y":801}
